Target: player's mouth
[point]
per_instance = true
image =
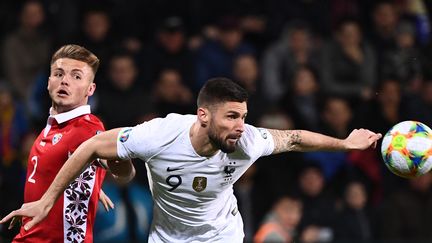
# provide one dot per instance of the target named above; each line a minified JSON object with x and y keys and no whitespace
{"x":63,"y":93}
{"x":233,"y":138}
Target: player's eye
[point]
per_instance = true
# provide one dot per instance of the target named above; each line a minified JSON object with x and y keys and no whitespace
{"x":77,"y":77}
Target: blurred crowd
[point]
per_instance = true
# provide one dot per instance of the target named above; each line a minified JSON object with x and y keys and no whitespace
{"x":323,"y":65}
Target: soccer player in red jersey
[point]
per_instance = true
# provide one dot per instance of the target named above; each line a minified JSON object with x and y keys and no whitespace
{"x":70,"y":123}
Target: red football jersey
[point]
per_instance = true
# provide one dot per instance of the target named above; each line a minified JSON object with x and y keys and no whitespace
{"x":72,"y":217}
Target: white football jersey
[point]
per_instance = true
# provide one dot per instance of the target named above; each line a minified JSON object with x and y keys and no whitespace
{"x":193,"y":195}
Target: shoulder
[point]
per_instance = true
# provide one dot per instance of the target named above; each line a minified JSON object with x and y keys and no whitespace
{"x":89,"y":123}
{"x":167,"y":126}
{"x":250,"y":136}
{"x":172,"y":120}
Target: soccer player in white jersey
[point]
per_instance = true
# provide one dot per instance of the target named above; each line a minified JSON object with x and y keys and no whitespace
{"x":192,"y":162}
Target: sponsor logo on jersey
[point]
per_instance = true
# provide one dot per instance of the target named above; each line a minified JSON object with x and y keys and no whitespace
{"x":263,"y":132}
{"x":124,"y":135}
{"x":199,"y":183}
{"x":169,"y":169}
{"x":56,"y":138}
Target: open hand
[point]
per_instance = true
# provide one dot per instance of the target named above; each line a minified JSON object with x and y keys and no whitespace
{"x":36,"y":210}
{"x":362,"y":139}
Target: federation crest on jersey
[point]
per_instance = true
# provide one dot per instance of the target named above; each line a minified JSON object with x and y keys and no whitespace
{"x":56,"y":138}
{"x":124,"y":135}
{"x":199,"y":183}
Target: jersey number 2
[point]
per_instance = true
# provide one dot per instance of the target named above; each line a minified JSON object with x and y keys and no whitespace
{"x":35,"y":161}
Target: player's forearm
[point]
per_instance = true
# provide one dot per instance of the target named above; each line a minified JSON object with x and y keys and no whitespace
{"x":79,"y":160}
{"x":123,"y":171}
{"x":303,"y":141}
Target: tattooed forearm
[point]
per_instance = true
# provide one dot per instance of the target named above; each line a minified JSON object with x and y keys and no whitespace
{"x":285,"y":140}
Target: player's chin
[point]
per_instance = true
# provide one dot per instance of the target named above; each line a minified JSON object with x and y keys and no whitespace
{"x":229,"y":147}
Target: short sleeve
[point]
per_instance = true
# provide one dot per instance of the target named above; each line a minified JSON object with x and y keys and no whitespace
{"x":135,"y":142}
{"x":256,"y":142}
{"x":147,"y":139}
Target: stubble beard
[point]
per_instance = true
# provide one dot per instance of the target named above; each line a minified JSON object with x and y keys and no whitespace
{"x":219,"y":142}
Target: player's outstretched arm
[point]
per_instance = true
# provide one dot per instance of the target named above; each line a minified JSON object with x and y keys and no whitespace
{"x":303,"y":141}
{"x":103,"y":145}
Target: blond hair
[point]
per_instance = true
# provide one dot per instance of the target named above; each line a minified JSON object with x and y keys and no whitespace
{"x":79,"y":53}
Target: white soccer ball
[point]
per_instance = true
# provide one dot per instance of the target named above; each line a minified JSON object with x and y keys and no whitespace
{"x":406,"y":149}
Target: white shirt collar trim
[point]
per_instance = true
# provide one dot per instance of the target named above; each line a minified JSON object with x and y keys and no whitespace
{"x":66,"y":116}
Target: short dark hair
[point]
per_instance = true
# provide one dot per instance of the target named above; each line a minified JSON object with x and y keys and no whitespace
{"x":78,"y":53}
{"x":219,"y":90}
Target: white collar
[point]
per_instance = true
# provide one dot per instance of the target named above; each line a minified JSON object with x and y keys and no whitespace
{"x":66,"y":116}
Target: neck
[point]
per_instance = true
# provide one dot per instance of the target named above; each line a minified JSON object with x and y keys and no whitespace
{"x":200,"y":141}
{"x":56,"y":109}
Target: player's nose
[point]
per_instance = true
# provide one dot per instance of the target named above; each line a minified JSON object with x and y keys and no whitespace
{"x":240,"y":126}
{"x":65,"y":80}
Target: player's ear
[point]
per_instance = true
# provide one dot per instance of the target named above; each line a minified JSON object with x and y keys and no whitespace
{"x":91,"y":89}
{"x":203,"y":116}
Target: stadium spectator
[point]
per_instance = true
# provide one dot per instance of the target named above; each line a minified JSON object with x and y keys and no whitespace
{"x":317,"y":223}
{"x":302,"y":102}
{"x":281,"y":223}
{"x":169,"y":51}
{"x":246,"y":73}
{"x":354,"y":222}
{"x":348,"y":66}
{"x":283,"y":58}
{"x":405,"y":215}
{"x":171,"y":95}
{"x":215,"y":58}
{"x":121,"y":93}
{"x":25,"y":52}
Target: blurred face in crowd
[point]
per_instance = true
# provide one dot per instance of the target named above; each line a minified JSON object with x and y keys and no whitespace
{"x":289,"y":212}
{"x":299,"y":40}
{"x":169,"y":85}
{"x":390,"y":93}
{"x":32,"y":15}
{"x":337,"y":113}
{"x":355,"y":195}
{"x":5,"y":98}
{"x":96,"y":25}
{"x":70,"y":84}
{"x":231,"y":38}
{"x":172,"y":41}
{"x":123,"y":72}
{"x":422,"y":183}
{"x":246,"y":71}
{"x":385,"y":16}
{"x":349,"y":34}
{"x":305,"y":83}
{"x":427,"y":92}
{"x":312,"y":182}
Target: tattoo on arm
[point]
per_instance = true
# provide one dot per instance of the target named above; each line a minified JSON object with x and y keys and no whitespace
{"x":285,"y":140}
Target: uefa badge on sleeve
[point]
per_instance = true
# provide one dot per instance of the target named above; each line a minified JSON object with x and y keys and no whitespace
{"x":124,"y":135}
